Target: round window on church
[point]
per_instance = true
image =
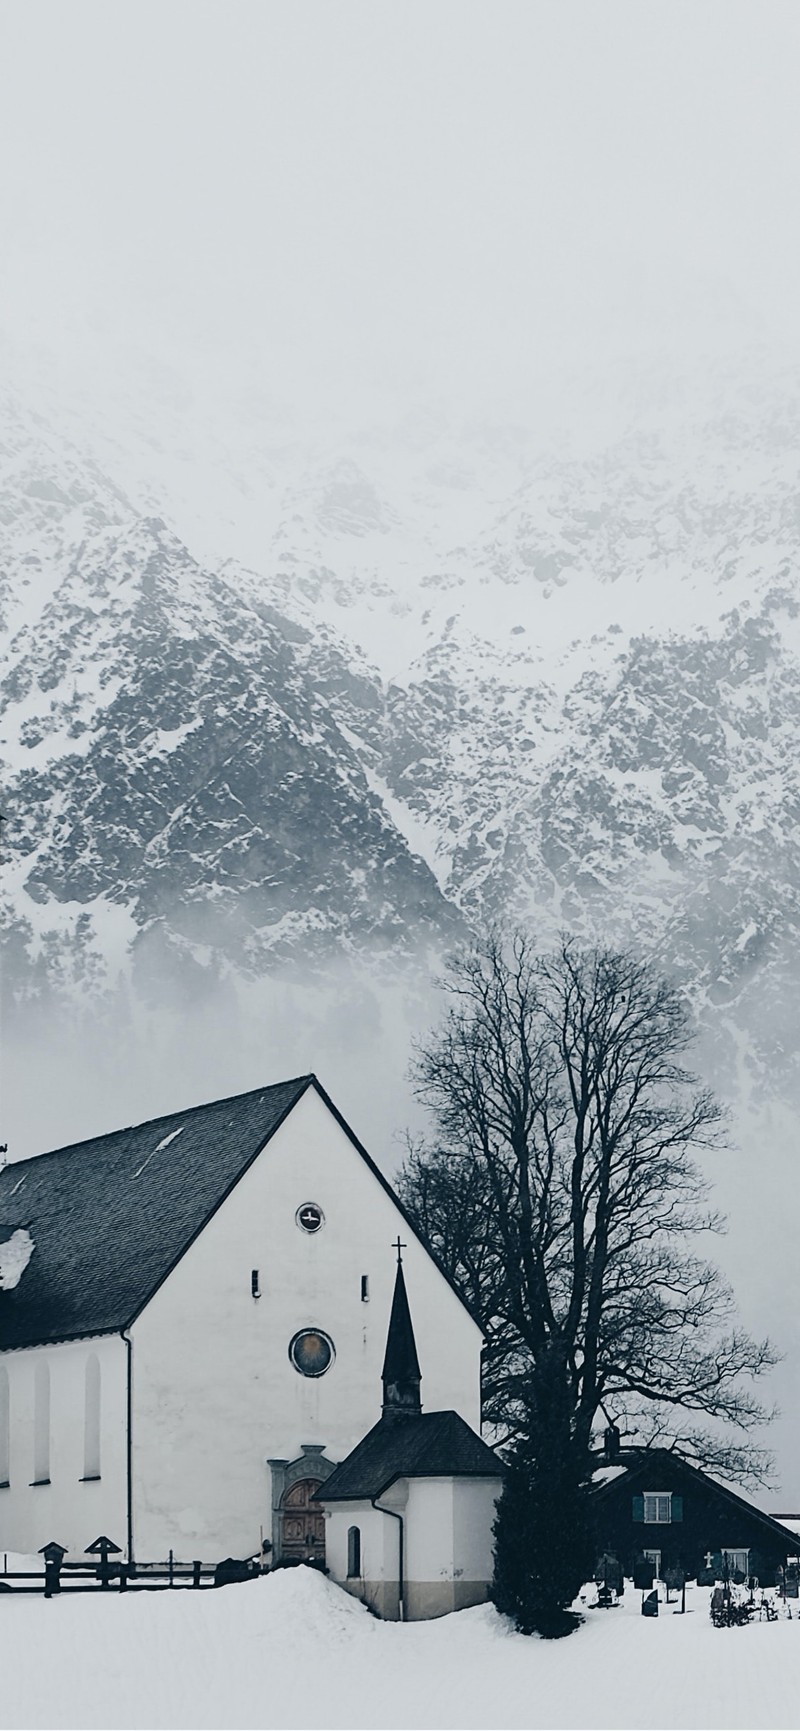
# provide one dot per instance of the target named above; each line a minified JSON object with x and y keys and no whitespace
{"x":311,"y":1352}
{"x":310,"y":1217}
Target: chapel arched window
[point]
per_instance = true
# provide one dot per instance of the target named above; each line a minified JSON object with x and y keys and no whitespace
{"x":353,"y":1552}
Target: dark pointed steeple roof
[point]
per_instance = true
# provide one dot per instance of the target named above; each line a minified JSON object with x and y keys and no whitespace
{"x":406,"y":1442}
{"x":401,"y":1372}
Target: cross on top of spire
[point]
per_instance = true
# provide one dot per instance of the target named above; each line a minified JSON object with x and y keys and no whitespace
{"x":396,"y":1245}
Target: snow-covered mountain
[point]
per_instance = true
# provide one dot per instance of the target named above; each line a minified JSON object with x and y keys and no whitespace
{"x":271,"y":697}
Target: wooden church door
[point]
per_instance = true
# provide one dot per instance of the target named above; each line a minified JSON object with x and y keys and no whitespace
{"x":302,"y":1523}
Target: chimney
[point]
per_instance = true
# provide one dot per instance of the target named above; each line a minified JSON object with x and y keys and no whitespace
{"x":611,"y":1444}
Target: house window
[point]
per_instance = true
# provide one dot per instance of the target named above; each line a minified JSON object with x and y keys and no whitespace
{"x":41,"y":1424}
{"x":654,"y":1557}
{"x":91,"y":1418}
{"x":353,"y":1552}
{"x":657,"y":1508}
{"x":5,"y":1427}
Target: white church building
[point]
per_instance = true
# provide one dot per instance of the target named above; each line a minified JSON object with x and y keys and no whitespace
{"x":193,"y":1336}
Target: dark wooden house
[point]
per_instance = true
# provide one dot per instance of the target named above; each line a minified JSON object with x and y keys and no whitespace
{"x":651,"y":1505}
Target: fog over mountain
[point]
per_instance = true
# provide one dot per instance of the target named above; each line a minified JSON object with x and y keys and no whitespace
{"x":399,"y":532}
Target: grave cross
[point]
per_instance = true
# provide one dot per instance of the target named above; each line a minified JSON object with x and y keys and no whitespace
{"x":102,"y":1546}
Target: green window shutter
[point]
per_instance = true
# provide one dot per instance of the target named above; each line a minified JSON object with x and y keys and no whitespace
{"x":638,"y":1508}
{"x":677,"y":1508}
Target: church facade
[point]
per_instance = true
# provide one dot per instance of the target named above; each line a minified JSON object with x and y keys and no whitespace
{"x":195,"y":1336}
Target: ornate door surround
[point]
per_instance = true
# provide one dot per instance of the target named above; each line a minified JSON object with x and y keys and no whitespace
{"x":298,"y":1528}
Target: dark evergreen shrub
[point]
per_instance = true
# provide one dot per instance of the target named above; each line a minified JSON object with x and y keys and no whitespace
{"x":543,"y":1543}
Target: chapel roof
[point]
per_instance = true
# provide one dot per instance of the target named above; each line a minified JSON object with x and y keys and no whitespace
{"x":110,"y":1217}
{"x":421,"y":1446}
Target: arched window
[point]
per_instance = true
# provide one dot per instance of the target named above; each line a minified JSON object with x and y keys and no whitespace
{"x":353,"y":1551}
{"x":91,"y":1418}
{"x":41,"y":1423}
{"x":5,"y":1427}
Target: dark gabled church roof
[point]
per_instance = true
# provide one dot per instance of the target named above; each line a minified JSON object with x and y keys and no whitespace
{"x":110,"y":1217}
{"x":424,"y":1446}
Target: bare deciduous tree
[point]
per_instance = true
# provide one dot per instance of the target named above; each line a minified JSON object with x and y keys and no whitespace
{"x":563,"y":1195}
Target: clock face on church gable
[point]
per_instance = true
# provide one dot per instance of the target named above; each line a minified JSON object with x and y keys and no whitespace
{"x":310,"y":1217}
{"x":311,"y":1352}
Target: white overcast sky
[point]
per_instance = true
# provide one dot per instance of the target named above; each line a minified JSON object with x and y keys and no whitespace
{"x":407,"y":195}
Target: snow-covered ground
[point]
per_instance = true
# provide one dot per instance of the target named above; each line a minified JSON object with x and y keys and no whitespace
{"x":292,"y":1650}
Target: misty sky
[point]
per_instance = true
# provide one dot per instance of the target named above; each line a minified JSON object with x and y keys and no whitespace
{"x":436,"y":195}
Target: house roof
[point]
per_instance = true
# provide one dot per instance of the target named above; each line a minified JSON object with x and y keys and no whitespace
{"x":111,"y":1217}
{"x":638,"y":1462}
{"x":422,"y":1446}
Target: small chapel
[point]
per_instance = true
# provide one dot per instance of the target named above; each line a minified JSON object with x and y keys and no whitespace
{"x":207,"y":1351}
{"x":437,"y":1481}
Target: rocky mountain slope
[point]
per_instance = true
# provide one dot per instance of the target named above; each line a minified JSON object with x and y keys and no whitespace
{"x":183,"y":793}
{"x":267,"y":700}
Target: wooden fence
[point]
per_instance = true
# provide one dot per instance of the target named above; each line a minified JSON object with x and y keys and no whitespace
{"x":104,"y":1575}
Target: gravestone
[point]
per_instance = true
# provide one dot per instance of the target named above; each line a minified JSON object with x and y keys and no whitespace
{"x":674,"y":1579}
{"x":650,"y":1605}
{"x":609,"y":1573}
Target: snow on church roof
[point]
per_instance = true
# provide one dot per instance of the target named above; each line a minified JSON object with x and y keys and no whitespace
{"x":16,"y":1250}
{"x":110,"y":1217}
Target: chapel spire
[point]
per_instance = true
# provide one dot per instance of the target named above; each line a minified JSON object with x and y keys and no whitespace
{"x":401,"y":1372}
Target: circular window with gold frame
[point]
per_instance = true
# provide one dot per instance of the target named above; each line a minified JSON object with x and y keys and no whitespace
{"x":312,"y":1352}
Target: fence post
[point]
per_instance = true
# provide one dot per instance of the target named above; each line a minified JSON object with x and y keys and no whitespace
{"x":171,"y":1568}
{"x":196,"y":1567}
{"x":54,"y":1555}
